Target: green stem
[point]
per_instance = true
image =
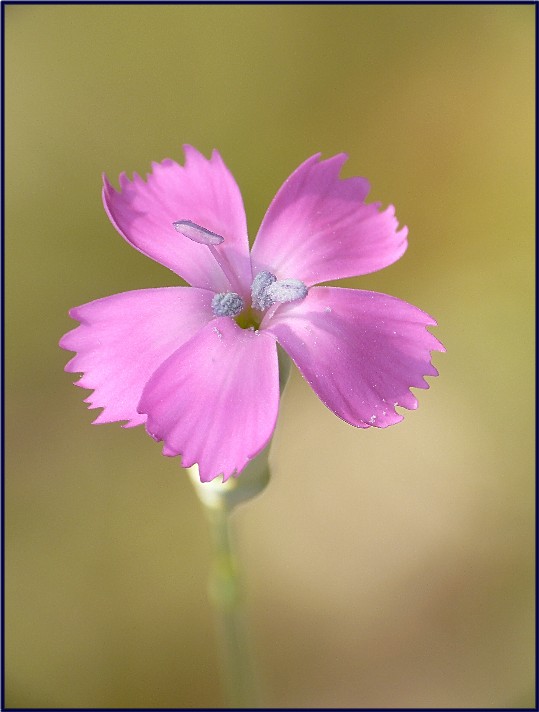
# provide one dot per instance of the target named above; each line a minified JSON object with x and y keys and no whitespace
{"x":219,"y":499}
{"x":226,"y":597}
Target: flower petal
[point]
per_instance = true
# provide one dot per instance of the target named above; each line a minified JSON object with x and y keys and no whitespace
{"x":123,"y":339}
{"x":203,"y":192}
{"x":360,"y":351}
{"x":215,"y":400}
{"x":318,"y":227}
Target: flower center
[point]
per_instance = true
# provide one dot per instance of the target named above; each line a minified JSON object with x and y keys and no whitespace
{"x":266,"y":289}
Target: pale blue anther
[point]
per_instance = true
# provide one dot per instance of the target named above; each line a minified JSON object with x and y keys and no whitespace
{"x":261,"y":282}
{"x":197,"y":233}
{"x":227,"y":304}
{"x":286,"y":290}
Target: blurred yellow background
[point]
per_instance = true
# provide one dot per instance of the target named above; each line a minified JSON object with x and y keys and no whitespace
{"x":383,"y":567}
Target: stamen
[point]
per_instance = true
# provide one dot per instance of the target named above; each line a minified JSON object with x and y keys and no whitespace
{"x":287,"y":290}
{"x":203,"y":236}
{"x":261,"y":282}
{"x":197,"y":233}
{"x":227,"y":304}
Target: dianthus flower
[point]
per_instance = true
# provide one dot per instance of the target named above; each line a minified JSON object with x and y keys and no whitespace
{"x":198,"y":365}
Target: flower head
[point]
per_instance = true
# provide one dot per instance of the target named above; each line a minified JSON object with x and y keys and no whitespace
{"x":198,"y":365}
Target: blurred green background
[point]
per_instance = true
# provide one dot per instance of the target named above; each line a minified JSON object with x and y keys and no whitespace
{"x":383,"y":568}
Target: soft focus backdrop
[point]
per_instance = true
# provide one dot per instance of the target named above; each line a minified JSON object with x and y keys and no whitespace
{"x":382,"y":568}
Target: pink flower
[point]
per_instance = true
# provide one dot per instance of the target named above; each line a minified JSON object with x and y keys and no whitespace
{"x":198,"y":364}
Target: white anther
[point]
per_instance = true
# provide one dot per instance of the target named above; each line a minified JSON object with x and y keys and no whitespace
{"x":259,"y":287}
{"x":197,"y":233}
{"x":287,"y":290}
{"x":227,"y":304}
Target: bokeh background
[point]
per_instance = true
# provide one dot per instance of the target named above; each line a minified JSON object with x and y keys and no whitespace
{"x":382,"y":568}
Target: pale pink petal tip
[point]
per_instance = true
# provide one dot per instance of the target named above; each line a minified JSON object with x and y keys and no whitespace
{"x":123,"y":339}
{"x":360,"y":351}
{"x":319,"y":227}
{"x":215,"y":400}
{"x":203,"y":192}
